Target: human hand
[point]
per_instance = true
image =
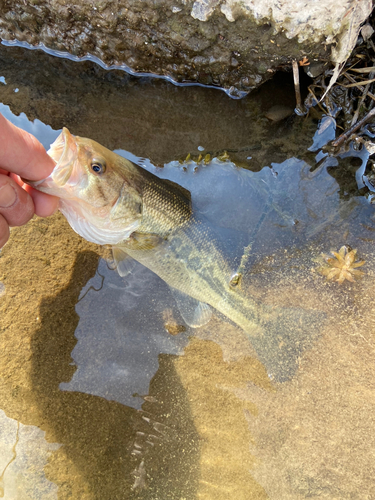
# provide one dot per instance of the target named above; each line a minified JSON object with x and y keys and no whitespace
{"x":21,"y":155}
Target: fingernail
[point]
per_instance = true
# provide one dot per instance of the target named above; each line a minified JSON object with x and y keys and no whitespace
{"x":8,"y":196}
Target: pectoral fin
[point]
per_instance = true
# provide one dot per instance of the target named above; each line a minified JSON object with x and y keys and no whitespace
{"x":194,"y":312}
{"x":124,"y":263}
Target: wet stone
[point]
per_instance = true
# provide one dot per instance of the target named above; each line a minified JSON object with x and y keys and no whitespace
{"x":201,"y":41}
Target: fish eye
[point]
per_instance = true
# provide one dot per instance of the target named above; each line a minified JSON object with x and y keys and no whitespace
{"x":97,"y":167}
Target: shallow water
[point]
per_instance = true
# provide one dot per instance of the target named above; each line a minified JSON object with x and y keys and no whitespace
{"x":105,"y":392}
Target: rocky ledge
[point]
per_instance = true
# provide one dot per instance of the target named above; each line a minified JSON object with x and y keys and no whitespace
{"x":233,"y":44}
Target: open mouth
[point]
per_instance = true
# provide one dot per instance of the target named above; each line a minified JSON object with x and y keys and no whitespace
{"x":64,"y":152}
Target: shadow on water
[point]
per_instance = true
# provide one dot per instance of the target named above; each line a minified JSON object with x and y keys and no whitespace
{"x":108,"y":448}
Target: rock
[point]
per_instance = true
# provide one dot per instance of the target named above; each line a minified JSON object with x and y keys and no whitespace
{"x":315,"y":69}
{"x":233,"y":44}
{"x":367,"y":32}
{"x":278,"y":112}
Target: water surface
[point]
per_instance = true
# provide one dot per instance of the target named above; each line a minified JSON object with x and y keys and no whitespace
{"x":105,"y":392}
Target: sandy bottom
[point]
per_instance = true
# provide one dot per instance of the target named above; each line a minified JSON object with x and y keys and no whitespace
{"x":213,"y":425}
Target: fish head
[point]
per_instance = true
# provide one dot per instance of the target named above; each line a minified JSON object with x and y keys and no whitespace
{"x":100,"y":192}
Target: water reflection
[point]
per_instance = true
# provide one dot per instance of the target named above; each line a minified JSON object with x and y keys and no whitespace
{"x":43,"y":132}
{"x":121,"y":334}
{"x":119,"y":407}
{"x":121,"y":111}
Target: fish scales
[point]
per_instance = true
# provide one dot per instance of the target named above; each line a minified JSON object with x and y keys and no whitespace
{"x":189,"y":258}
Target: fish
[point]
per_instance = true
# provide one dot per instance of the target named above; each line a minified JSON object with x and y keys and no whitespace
{"x":109,"y":200}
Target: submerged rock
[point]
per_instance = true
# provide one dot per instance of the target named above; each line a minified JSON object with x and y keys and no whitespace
{"x":232,"y":44}
{"x":278,"y":112}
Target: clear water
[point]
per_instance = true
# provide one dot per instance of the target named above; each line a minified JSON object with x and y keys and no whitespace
{"x":105,"y":392}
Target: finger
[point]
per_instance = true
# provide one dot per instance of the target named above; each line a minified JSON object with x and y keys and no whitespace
{"x":16,"y":179}
{"x":4,"y":231}
{"x":22,"y":153}
{"x":44,"y":204}
{"x":16,"y":205}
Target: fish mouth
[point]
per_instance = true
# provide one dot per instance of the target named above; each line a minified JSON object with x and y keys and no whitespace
{"x":64,"y":152}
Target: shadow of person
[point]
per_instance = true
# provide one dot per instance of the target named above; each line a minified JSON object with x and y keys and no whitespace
{"x":101,"y":455}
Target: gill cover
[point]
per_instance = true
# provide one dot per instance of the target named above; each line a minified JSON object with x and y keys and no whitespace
{"x":128,"y":206}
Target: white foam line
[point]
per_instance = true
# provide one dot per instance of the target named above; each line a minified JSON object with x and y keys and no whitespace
{"x":123,"y":67}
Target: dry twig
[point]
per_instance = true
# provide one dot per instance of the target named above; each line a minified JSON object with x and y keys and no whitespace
{"x":343,"y":137}
{"x":360,"y":87}
{"x":296,"y":86}
{"x":364,"y":95}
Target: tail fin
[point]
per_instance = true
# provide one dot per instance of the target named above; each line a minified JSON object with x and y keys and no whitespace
{"x":288,"y":332}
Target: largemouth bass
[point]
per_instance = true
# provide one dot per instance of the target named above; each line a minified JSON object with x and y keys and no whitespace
{"x":109,"y":200}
